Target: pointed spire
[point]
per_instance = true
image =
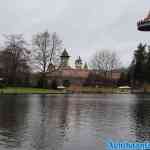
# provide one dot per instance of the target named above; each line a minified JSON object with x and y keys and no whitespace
{"x":64,"y":58}
{"x":86,"y":66}
{"x":65,"y":53}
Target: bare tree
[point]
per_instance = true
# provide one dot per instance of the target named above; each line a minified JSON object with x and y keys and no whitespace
{"x":56,"y":46}
{"x":41,"y":43}
{"x":47,"y":49}
{"x":105,"y":61}
{"x":115,"y":62}
{"x":14,"y":58}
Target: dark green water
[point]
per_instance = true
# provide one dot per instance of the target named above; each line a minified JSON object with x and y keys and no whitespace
{"x":72,"y":122}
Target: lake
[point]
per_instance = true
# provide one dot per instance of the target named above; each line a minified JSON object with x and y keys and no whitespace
{"x":72,"y":122}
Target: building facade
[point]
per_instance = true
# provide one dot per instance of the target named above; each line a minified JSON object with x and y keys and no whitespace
{"x":80,"y":75}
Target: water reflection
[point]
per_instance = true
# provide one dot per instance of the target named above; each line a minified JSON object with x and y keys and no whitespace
{"x":50,"y":130}
{"x":70,"y":122}
{"x":141,"y":114}
{"x":12,"y":120}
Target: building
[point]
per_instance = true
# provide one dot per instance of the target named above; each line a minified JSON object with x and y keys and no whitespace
{"x":80,"y":75}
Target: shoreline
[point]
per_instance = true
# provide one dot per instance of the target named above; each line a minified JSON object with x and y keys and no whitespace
{"x":103,"y":90}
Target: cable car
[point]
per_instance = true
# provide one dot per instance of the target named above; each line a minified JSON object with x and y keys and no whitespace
{"x":144,"y":25}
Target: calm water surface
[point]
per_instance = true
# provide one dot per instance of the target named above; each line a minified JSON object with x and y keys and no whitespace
{"x":72,"y":122}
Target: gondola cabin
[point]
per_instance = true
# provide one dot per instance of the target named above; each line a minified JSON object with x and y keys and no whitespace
{"x":144,"y":25}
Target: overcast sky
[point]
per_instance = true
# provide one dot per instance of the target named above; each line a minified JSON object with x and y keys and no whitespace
{"x":84,"y":25}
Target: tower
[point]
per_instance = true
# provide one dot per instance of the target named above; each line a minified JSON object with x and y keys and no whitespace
{"x":86,"y":66}
{"x":78,"y":63}
{"x":64,"y":58}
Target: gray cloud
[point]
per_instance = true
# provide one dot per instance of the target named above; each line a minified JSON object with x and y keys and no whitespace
{"x":84,"y":25}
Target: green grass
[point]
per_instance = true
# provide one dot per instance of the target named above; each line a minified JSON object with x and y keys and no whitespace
{"x":23,"y":90}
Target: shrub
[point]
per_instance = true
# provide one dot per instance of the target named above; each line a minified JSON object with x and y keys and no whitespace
{"x":66,"y":83}
{"x":54,"y":84}
{"x":2,"y":85}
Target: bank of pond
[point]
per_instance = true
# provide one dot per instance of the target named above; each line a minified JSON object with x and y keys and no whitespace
{"x":98,"y":90}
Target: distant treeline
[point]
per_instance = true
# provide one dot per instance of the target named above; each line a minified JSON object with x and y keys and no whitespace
{"x":24,"y":64}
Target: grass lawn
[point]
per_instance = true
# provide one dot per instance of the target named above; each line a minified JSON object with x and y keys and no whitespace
{"x":23,"y":90}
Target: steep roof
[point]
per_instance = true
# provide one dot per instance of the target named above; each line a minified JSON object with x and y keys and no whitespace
{"x":65,"y":53}
{"x":85,"y":65}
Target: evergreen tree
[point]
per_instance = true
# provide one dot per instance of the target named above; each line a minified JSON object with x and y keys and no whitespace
{"x":139,"y":64}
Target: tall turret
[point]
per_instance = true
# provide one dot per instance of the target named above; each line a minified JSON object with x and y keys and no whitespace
{"x":64,"y":58}
{"x":78,"y":63}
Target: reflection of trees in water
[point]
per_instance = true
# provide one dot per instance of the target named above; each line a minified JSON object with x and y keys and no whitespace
{"x":50,"y":132}
{"x":96,"y":117}
{"x":12,"y":119}
{"x":53,"y":120}
{"x":142,"y":117}
{"x":106,"y":116}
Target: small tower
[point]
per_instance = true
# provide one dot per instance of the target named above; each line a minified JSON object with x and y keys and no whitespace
{"x":78,"y":63}
{"x":64,"y":58}
{"x":85,"y":66}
